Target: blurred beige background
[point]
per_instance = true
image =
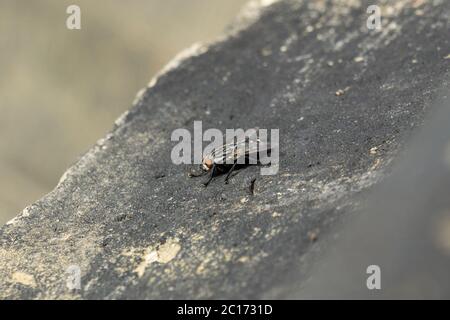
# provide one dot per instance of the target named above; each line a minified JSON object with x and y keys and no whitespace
{"x":61,"y":90}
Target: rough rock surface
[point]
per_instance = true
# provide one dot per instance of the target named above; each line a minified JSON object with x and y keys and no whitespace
{"x":345,"y":99}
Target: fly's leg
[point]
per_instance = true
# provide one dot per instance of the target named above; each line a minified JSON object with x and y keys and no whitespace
{"x":229,"y":172}
{"x":213,"y":171}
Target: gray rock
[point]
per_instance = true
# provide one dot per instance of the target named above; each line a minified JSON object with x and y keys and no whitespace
{"x":345,"y":99}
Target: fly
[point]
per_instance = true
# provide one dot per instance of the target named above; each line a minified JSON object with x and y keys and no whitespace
{"x":225,"y":157}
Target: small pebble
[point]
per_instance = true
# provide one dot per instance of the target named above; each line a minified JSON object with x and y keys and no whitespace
{"x":374,"y":150}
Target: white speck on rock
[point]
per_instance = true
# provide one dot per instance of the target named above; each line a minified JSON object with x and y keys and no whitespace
{"x":373,"y":150}
{"x":164,"y":254}
{"x":309,"y":29}
{"x":24,"y":279}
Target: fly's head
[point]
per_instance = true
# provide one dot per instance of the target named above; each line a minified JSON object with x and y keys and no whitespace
{"x":207,"y":163}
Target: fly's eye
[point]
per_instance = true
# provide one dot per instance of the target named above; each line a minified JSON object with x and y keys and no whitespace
{"x":208,"y":163}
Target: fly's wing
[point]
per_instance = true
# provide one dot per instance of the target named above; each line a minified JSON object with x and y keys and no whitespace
{"x":259,"y":149}
{"x":224,"y":154}
{"x":238,"y":148}
{"x":255,"y":149}
{"x":243,"y":151}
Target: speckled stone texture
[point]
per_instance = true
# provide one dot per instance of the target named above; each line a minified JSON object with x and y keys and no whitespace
{"x":345,"y":98}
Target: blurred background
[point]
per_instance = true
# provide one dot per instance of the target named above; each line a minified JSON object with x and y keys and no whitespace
{"x":61,"y":90}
